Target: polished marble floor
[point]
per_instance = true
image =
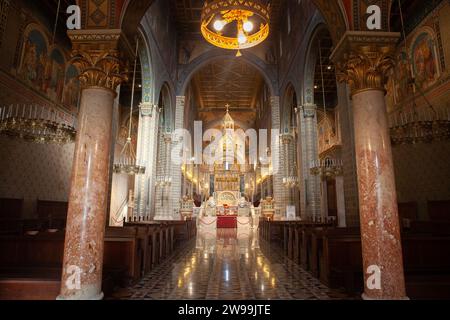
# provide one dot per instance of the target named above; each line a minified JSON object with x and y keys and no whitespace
{"x":229,"y":266}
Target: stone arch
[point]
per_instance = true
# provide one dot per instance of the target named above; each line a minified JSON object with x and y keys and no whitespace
{"x":165,"y":102}
{"x":148,"y":85}
{"x":311,"y":58}
{"x":217,"y":54}
{"x":289,"y":101}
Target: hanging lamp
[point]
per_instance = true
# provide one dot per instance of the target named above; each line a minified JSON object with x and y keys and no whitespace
{"x":235,"y":25}
{"x":127,"y":161}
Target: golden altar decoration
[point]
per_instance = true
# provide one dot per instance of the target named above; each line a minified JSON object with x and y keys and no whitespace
{"x":268,"y":208}
{"x":187,"y":208}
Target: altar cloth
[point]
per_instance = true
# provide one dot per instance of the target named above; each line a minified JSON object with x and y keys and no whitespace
{"x":226,"y":222}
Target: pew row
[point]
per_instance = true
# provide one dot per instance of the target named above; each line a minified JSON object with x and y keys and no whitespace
{"x":30,"y":266}
{"x":334,"y":256}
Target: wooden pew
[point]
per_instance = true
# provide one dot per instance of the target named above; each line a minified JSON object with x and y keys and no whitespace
{"x":10,"y":215}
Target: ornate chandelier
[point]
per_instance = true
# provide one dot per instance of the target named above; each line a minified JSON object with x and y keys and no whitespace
{"x":37,"y":124}
{"x":422,"y":126}
{"x":127,"y":163}
{"x":232,"y":24}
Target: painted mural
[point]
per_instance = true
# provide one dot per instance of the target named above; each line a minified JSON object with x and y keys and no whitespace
{"x":402,"y":88}
{"x":424,"y":61}
{"x":71,"y":88}
{"x":45,"y":69}
{"x":421,"y":62}
{"x":35,"y":60}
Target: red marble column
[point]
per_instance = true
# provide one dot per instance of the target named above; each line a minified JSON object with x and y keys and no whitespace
{"x":380,"y":230}
{"x":84,"y":241}
{"x":364,"y":60}
{"x":83,"y":251}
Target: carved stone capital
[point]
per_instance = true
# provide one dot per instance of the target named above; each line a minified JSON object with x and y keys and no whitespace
{"x":148,"y":109}
{"x":286,"y":138}
{"x":365,"y":59}
{"x":309,"y":110}
{"x":96,"y":54}
{"x":167,"y":138}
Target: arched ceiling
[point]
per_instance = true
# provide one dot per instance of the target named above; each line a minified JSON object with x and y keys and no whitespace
{"x":227,"y":81}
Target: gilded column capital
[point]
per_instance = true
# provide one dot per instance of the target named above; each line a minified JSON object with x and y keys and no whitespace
{"x":96,"y":54}
{"x":365,"y":59}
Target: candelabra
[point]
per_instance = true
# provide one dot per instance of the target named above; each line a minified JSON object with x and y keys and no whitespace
{"x":290,"y":182}
{"x":39,"y":124}
{"x":420,"y":126}
{"x":163,"y":181}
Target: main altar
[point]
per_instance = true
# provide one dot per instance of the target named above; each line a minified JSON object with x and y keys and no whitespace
{"x":227,"y":205}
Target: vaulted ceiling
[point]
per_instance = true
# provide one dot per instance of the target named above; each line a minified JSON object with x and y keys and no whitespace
{"x":228,"y":81}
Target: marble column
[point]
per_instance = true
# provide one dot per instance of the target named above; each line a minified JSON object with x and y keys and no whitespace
{"x":363,"y":61}
{"x":84,"y":241}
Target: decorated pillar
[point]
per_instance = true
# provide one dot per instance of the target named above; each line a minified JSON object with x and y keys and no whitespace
{"x":364,"y":60}
{"x":95,"y":54}
{"x":309,"y":184}
{"x":147,"y":149}
{"x":278,"y":191}
{"x":163,"y":187}
{"x":175,"y":193}
{"x":287,"y":140}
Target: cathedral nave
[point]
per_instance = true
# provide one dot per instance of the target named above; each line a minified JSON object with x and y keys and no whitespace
{"x":224,"y":150}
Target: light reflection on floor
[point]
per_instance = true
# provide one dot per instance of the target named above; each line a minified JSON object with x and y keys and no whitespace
{"x":227,"y":265}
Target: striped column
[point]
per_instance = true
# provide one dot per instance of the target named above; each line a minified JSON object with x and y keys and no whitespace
{"x":309,"y":184}
{"x":175,"y":193}
{"x":278,"y":159}
{"x":149,"y":117}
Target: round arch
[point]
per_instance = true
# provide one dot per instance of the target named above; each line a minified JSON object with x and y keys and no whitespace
{"x":217,"y":54}
{"x":289,"y":102}
{"x":166,"y":104}
{"x":146,"y":69}
{"x":311,"y":58}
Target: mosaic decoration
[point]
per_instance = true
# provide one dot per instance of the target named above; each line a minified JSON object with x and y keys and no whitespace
{"x":146,"y":74}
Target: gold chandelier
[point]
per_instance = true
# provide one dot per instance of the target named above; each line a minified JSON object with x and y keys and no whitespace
{"x":38,"y":124}
{"x":231,"y":24}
